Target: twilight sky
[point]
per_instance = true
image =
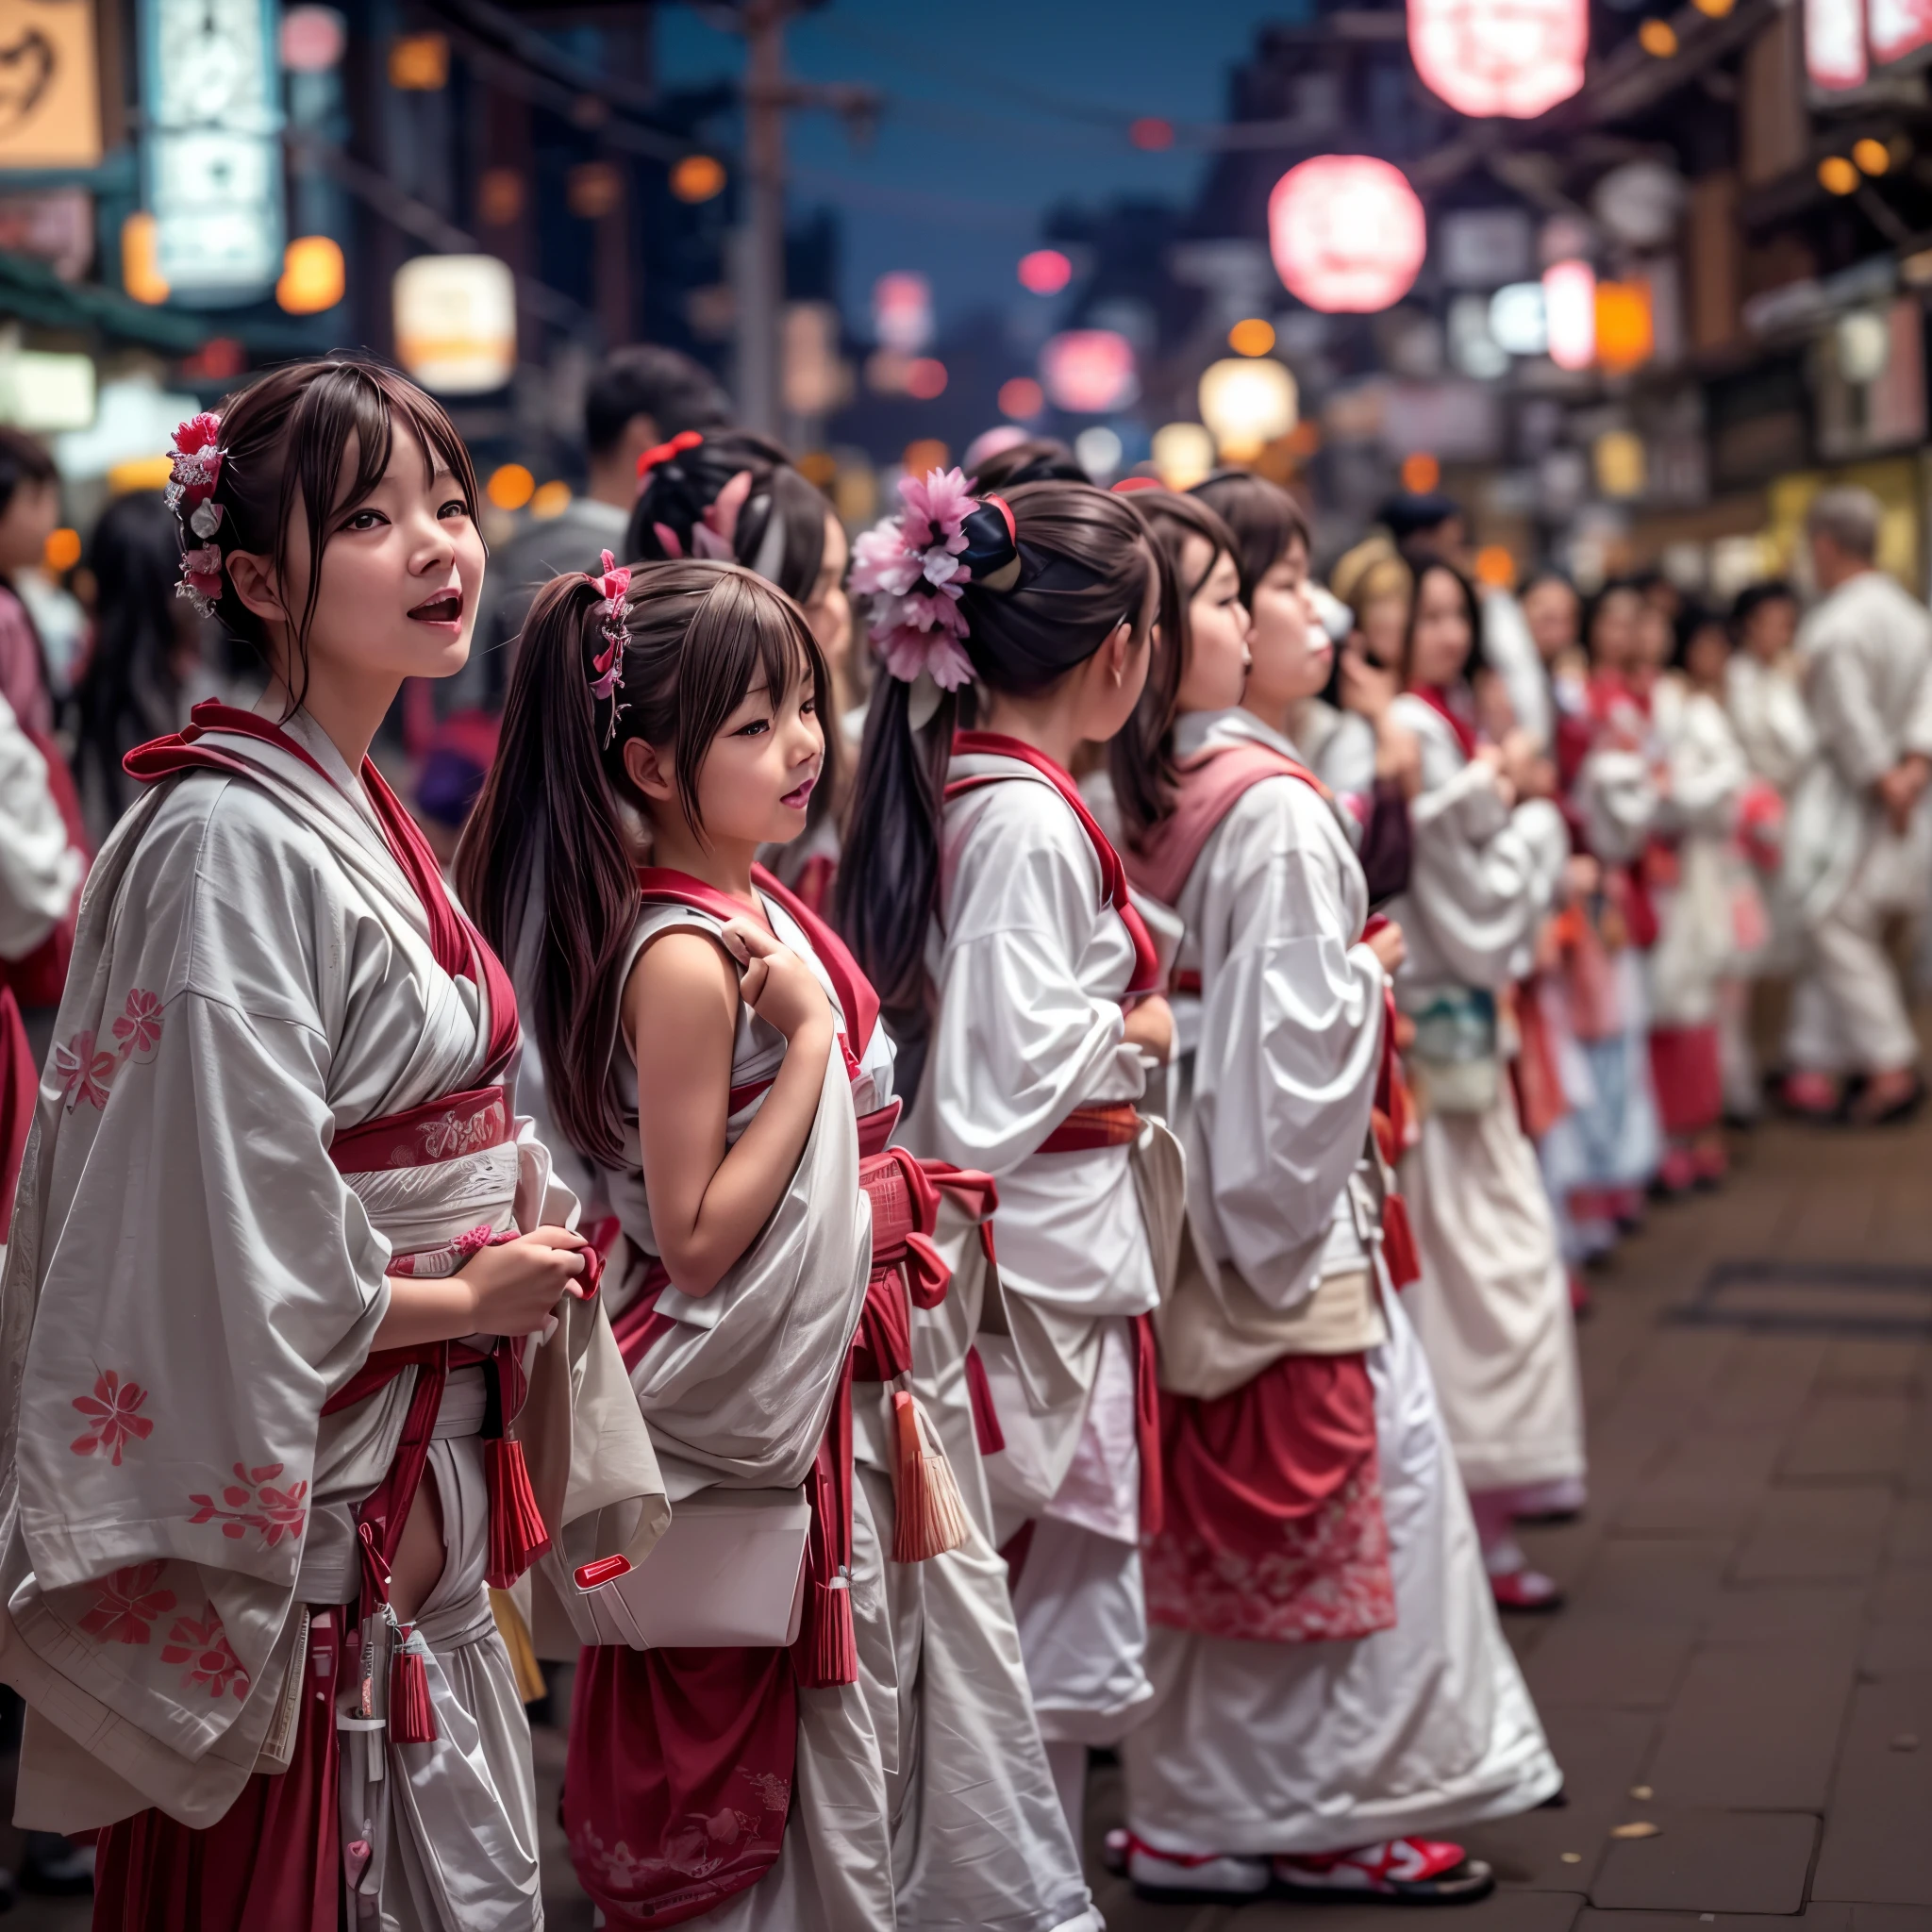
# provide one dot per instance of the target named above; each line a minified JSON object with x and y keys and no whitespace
{"x":986,"y":124}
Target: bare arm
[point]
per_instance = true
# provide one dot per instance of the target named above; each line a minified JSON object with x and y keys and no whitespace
{"x":680,"y":1016}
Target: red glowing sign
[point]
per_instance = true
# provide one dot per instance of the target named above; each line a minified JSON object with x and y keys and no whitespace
{"x":1835,"y":43}
{"x":1517,"y":58}
{"x":1898,"y":28}
{"x":1090,"y":370}
{"x":1347,"y":233}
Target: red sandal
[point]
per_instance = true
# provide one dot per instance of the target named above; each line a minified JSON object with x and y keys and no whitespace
{"x":1403,"y":1871}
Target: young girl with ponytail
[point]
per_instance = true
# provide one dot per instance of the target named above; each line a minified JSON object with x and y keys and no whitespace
{"x":288,"y":1262}
{"x":1493,"y":1304}
{"x":712,"y":1047}
{"x":993,"y":915}
{"x":1330,"y":1682}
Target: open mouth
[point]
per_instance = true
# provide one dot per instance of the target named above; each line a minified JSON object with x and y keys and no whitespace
{"x":800,"y":795}
{"x":446,"y":607}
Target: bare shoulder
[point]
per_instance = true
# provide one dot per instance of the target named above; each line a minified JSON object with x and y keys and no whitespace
{"x":682,"y":980}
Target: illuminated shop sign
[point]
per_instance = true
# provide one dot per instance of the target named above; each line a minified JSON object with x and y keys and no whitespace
{"x":211,"y":153}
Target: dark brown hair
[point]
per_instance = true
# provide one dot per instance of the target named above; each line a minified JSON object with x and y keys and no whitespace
{"x":1086,"y":564}
{"x":698,"y":637}
{"x":1039,"y":460}
{"x":1425,"y":568}
{"x":287,"y":437}
{"x":1263,"y":518}
{"x":1141,"y":759}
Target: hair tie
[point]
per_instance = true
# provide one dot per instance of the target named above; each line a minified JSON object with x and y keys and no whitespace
{"x":194,"y":469}
{"x":613,"y":587}
{"x":916,"y":566}
{"x":663,"y":452}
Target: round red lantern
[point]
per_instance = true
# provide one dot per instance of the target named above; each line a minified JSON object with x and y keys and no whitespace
{"x":1347,"y":233}
{"x":1517,"y":58}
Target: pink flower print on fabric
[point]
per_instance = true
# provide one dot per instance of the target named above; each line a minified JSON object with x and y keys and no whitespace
{"x":139,"y":1028}
{"x":251,"y":1501}
{"x":203,"y":1645}
{"x":127,"y":1604}
{"x":112,"y":1417}
{"x":85,"y":1075}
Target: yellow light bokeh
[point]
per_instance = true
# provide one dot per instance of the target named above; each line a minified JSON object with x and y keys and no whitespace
{"x":1873,"y":157}
{"x":313,"y":276}
{"x":924,"y":453}
{"x":1658,"y":37}
{"x":1836,"y":175}
{"x":1625,"y":332}
{"x":510,"y":487}
{"x":1252,"y":337}
{"x":1713,"y":9}
{"x":551,"y":500}
{"x":140,"y":272}
{"x":419,"y":63}
{"x":61,"y":551}
{"x":697,"y":178}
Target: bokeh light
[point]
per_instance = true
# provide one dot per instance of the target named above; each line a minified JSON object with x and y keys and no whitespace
{"x":1022,"y":397}
{"x":1247,"y":403}
{"x":1347,"y":233}
{"x":314,"y":275}
{"x":924,"y":453}
{"x":925,"y":377}
{"x":1097,"y":450}
{"x":1045,"y":271}
{"x":1420,"y":471}
{"x":1570,"y":313}
{"x":698,"y":178}
{"x":1500,"y":57}
{"x":1495,"y":567}
{"x":61,"y":551}
{"x":1658,"y":37}
{"x":1183,"y":454}
{"x":1152,"y":133}
{"x":1252,"y":336}
{"x":510,"y":486}
{"x":1625,"y":329}
{"x":551,"y":500}
{"x":1836,"y":175}
{"x":1089,"y":372}
{"x":1871,"y":155}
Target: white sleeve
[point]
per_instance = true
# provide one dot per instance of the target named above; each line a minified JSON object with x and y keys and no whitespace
{"x":1018,"y":1042}
{"x":39,"y":870}
{"x":1290,"y":1040}
{"x":1619,"y":801}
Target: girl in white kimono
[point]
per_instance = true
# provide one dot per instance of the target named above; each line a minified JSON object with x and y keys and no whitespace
{"x":994,"y":917}
{"x":286,"y":1259}
{"x":1330,"y":1681}
{"x":1711,"y":920}
{"x":1492,"y":1305}
{"x":765,"y":1314}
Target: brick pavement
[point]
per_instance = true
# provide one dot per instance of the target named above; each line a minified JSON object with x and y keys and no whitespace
{"x":1747,"y":1663}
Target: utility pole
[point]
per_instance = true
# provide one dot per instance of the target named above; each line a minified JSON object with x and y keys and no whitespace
{"x":758,"y":257}
{"x":758,"y":250}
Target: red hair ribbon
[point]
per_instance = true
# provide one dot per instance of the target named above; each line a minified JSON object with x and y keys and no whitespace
{"x":1128,"y":484}
{"x":663,"y":452}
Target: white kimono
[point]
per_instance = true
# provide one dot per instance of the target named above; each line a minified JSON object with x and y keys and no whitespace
{"x":1492,"y":1307}
{"x":1029,"y":968}
{"x":1867,"y":657}
{"x":39,"y":870}
{"x":737,"y":1392}
{"x":191,"y":1278}
{"x":1275,"y":1748}
{"x":1767,"y":708}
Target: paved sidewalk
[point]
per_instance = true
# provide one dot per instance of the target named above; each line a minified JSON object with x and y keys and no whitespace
{"x":1746,"y":1667}
{"x":1747,"y":1663}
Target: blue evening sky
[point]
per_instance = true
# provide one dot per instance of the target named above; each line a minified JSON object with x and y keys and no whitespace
{"x":996,"y":110}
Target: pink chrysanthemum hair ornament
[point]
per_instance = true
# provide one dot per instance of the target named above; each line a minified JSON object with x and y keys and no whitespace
{"x":915,"y":568}
{"x":195,"y":468}
{"x":607,"y":666}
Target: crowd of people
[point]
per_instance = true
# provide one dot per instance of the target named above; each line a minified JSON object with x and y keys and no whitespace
{"x":923,"y":1152}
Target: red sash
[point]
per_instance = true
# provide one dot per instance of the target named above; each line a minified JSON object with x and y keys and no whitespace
{"x":1439,"y":702}
{"x":1113,"y":876}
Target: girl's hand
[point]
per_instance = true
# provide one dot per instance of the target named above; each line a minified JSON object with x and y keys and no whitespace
{"x":1389,"y":946}
{"x":514,"y":1285}
{"x":1398,"y":754}
{"x":777,"y":985}
{"x":1150,"y":1027}
{"x":1366,"y":687}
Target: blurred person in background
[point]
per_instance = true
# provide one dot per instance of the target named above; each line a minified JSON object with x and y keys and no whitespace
{"x":143,"y":665}
{"x":642,"y":396}
{"x":1856,"y":857}
{"x":29,"y":510}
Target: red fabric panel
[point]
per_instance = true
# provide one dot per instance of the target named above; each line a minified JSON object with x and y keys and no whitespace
{"x":1274,"y":1528}
{"x":1685,"y":1069}
{"x":1113,"y":875}
{"x":855,"y":995}
{"x":678,"y":1779}
{"x":1147,"y":1423}
{"x":986,"y":1418}
{"x":458,"y":1123}
{"x":273,"y":1860}
{"x":1111,"y":1123}
{"x":17,"y":1086}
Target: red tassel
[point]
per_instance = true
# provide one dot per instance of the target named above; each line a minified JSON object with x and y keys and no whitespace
{"x":517,"y":1536}
{"x":929,"y":1516}
{"x":830,"y":1644}
{"x":411,"y":1717}
{"x":1398,"y":1242}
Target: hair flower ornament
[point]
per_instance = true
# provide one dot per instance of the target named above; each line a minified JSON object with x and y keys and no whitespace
{"x":612,"y":589}
{"x":194,"y":469}
{"x":915,"y":568}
